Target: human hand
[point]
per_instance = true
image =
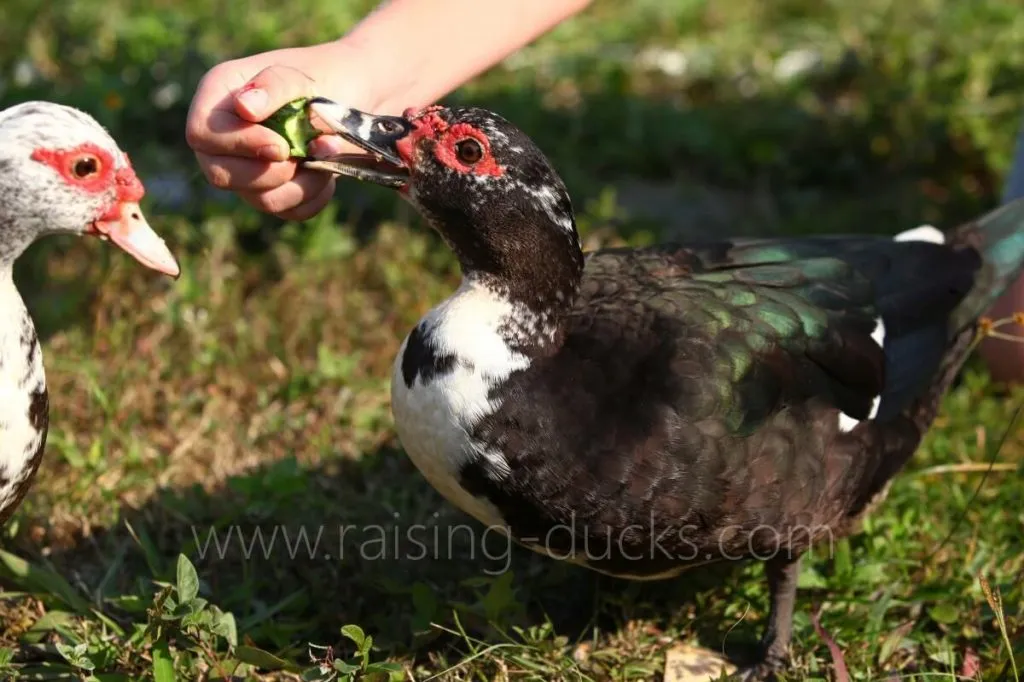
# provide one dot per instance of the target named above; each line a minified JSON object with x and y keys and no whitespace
{"x":235,"y":152}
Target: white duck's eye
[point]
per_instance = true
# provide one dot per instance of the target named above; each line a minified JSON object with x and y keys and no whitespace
{"x":85,"y":167}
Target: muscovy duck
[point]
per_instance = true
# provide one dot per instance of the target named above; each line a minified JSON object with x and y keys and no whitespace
{"x":60,"y":172}
{"x":641,"y":411}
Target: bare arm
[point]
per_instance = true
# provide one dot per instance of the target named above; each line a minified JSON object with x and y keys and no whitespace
{"x":420,"y":50}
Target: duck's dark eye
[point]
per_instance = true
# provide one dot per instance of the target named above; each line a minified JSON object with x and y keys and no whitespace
{"x":85,"y":166}
{"x":469,"y":151}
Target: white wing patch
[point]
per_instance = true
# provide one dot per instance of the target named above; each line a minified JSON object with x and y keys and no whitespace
{"x":846,"y":422}
{"x":921,"y":233}
{"x":879,"y":336}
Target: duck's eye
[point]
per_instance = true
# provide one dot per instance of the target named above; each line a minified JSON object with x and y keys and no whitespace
{"x":85,"y":166}
{"x":469,"y":151}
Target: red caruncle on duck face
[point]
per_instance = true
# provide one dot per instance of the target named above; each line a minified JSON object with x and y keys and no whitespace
{"x":93,"y":170}
{"x":460,"y":147}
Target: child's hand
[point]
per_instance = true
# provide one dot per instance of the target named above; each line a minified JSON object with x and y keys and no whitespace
{"x":237,"y":153}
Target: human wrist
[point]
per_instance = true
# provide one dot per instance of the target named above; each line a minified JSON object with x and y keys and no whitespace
{"x":340,"y":69}
{"x":405,"y":64}
{"x":373,"y":71}
{"x":392,"y":59}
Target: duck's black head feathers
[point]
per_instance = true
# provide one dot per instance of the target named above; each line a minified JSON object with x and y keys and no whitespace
{"x":497,"y":201}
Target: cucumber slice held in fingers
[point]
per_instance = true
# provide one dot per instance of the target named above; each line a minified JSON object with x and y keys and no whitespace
{"x":292,"y":122}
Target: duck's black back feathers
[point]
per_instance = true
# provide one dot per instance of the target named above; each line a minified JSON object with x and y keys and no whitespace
{"x":743,"y":385}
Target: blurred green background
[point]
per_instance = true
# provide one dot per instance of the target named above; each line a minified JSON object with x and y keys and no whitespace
{"x":808,"y":106}
{"x":254,"y":391}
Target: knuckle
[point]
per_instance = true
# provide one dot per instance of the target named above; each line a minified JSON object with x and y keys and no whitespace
{"x":218,"y":176}
{"x":194,"y":132}
{"x":313,"y":183}
{"x":221,"y":72}
{"x":305,"y":211}
{"x":271,"y":202}
{"x":283,"y":82}
{"x":267,"y":79}
{"x":253,"y":200}
{"x":273,"y":175}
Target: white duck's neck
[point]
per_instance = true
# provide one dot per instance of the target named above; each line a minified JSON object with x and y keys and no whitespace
{"x":23,"y":399}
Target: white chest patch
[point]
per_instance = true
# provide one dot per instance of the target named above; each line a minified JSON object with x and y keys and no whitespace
{"x":20,"y":377}
{"x":435,"y":415}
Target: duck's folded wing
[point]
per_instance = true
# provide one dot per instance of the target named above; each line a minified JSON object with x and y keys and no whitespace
{"x":860,"y":323}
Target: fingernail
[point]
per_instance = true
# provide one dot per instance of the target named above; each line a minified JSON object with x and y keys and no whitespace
{"x":272,"y":152}
{"x":255,"y":100}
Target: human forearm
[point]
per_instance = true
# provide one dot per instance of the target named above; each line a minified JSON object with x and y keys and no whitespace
{"x":416,"y":51}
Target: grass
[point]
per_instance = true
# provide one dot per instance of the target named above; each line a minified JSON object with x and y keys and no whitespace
{"x":252,"y":394}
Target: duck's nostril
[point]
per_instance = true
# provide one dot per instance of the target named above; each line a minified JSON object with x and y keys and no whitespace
{"x":136,"y":216}
{"x":388,"y":127}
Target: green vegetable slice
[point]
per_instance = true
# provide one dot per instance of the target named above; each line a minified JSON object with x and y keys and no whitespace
{"x":292,"y":123}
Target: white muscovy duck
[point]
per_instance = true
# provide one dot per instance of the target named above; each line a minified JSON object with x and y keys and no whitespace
{"x":60,"y":172}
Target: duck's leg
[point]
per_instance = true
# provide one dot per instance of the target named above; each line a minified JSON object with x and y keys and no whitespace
{"x":782,"y":573}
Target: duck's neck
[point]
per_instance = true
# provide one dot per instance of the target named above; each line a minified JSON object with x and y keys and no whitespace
{"x":18,"y":235}
{"x":530,"y":326}
{"x":23,"y":398}
{"x":538,"y":279}
{"x":20,"y":363}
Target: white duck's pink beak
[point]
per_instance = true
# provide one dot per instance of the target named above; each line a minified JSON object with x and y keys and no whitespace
{"x":132,"y":233}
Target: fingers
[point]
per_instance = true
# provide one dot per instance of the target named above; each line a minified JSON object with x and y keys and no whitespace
{"x":306,"y":194}
{"x":271,"y":89}
{"x":281,"y":189}
{"x":230,"y":172}
{"x":331,"y":145}
{"x":224,"y":134}
{"x":308,"y":209}
{"x":226,"y":110}
{"x":236,"y":153}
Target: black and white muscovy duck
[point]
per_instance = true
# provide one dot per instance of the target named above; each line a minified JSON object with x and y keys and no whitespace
{"x":59,"y":172}
{"x":674,"y":405}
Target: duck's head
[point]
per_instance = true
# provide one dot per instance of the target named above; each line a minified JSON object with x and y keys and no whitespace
{"x":61,"y":172}
{"x":480,"y":181}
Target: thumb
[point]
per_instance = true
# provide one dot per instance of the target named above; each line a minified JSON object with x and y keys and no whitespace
{"x":271,"y":89}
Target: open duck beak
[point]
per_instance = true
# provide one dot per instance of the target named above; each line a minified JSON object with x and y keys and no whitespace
{"x":126,"y":226}
{"x":376,"y":134}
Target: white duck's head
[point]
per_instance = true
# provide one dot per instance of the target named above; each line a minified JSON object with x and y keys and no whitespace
{"x":61,"y":172}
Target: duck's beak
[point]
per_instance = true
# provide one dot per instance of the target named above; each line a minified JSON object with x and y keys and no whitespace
{"x":127,"y":227}
{"x":376,"y":134}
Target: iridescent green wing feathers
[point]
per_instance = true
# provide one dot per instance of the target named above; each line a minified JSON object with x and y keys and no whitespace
{"x":793,"y":320}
